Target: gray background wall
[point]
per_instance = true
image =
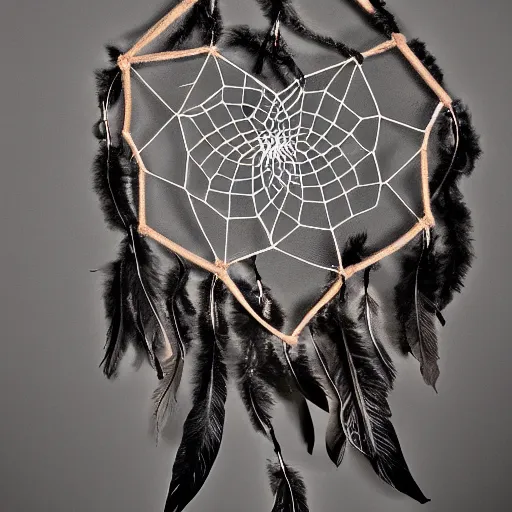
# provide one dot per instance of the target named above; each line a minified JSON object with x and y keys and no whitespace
{"x":71,"y":441}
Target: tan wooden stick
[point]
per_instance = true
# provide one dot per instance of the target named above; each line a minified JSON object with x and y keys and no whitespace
{"x":174,"y":55}
{"x":416,"y":63}
{"x":381,"y":48}
{"x":160,"y":26}
{"x":366,"y":5}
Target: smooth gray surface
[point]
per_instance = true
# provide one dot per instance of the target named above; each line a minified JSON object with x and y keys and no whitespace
{"x":71,"y":441}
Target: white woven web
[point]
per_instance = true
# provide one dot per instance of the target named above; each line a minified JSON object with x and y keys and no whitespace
{"x":299,"y":158}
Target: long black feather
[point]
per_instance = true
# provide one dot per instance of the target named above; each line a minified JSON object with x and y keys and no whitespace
{"x":335,"y":437}
{"x":368,"y":311}
{"x":164,"y":396}
{"x":260,"y":371}
{"x":416,"y":297}
{"x":131,"y":303}
{"x":307,"y":383}
{"x":287,"y":487}
{"x":368,"y":315}
{"x":203,"y":428}
{"x":364,"y":391}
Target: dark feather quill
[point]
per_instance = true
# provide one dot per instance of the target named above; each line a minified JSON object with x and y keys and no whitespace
{"x":287,"y":487}
{"x":364,"y":390}
{"x":203,"y":428}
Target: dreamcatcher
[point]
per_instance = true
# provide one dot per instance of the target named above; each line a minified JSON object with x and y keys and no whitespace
{"x":263,"y":165}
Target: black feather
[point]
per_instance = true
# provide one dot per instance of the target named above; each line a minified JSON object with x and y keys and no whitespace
{"x":108,"y":81}
{"x":354,"y":252}
{"x":368,"y":314}
{"x":164,"y":396}
{"x":416,"y":298}
{"x":279,"y":59}
{"x":459,"y":152}
{"x":260,"y":370}
{"x":419,"y":49}
{"x":335,"y":438}
{"x":382,"y":19}
{"x":283,"y":11}
{"x":115,"y":183}
{"x":201,"y":18}
{"x":456,"y":254}
{"x":287,"y":487}
{"x":203,"y":428}
{"x":302,"y":373}
{"x":364,"y":391}
{"x":120,"y":332}
{"x":131,"y":296}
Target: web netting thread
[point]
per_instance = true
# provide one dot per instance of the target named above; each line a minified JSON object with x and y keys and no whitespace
{"x":301,"y":157}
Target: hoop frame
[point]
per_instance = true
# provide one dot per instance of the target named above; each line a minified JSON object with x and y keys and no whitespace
{"x":220,"y":268}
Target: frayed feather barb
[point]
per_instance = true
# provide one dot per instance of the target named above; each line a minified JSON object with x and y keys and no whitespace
{"x":203,"y":428}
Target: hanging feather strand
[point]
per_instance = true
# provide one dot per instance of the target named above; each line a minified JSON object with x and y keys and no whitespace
{"x":335,"y":437}
{"x":416,"y":303}
{"x":203,"y":428}
{"x":364,"y":390}
{"x":164,"y":396}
